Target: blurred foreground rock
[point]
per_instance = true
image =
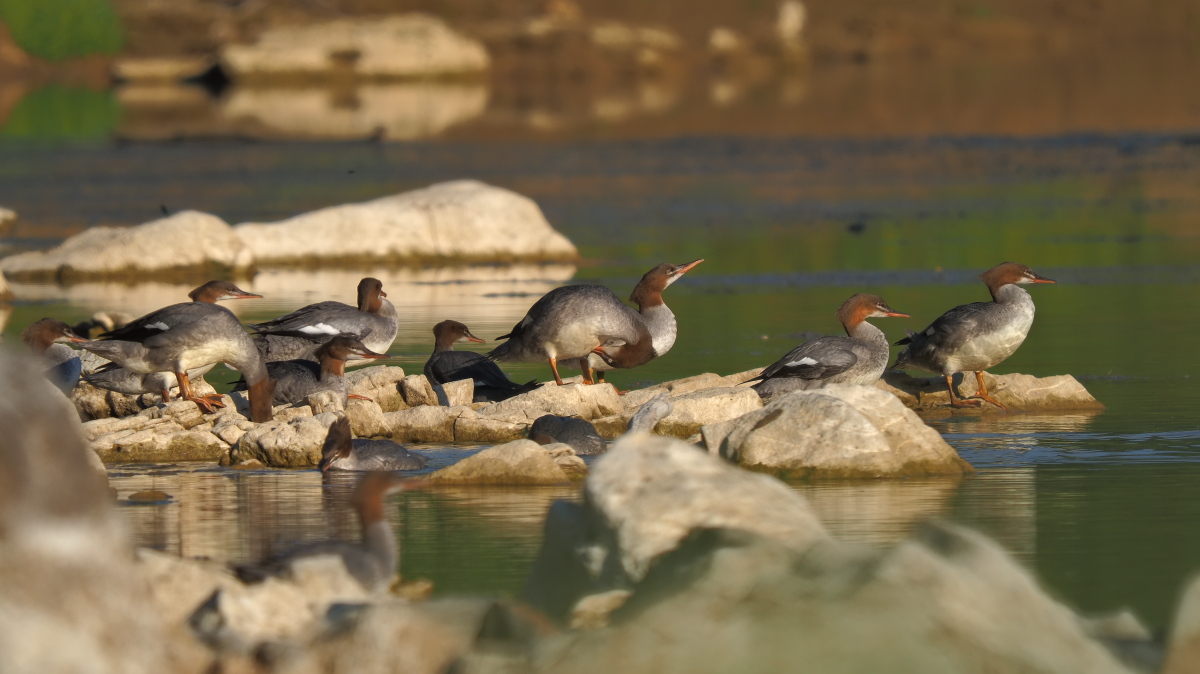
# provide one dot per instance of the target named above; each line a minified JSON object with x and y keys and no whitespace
{"x":515,"y":463}
{"x":1017,"y":392}
{"x":838,"y":431}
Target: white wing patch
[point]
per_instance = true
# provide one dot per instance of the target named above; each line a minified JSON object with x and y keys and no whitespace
{"x":929,"y":331}
{"x":320,"y":329}
{"x":158,"y":326}
{"x":803,"y":361}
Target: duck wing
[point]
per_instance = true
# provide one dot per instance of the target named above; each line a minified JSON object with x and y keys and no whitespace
{"x":821,"y":358}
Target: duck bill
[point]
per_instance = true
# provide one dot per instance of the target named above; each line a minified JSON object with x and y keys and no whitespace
{"x":1041,"y":279}
{"x":896,"y":314}
{"x":685,"y":268}
{"x":473,"y":338}
{"x":246,"y":296}
{"x":75,"y":339}
{"x":367,"y":355}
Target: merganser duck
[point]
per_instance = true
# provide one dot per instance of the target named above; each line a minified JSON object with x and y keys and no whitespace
{"x":372,"y":562}
{"x":342,"y":451}
{"x":446,"y":365}
{"x":300,"y":333}
{"x":113,"y":377}
{"x":46,"y":339}
{"x":580,"y":434}
{"x":187,"y":336}
{"x":859,"y":358}
{"x":977,"y":336}
{"x":574,"y":322}
{"x":295,"y":380}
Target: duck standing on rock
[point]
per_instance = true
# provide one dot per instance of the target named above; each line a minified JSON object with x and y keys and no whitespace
{"x":113,"y":377}
{"x":342,"y":451}
{"x":575,"y":322}
{"x":46,"y":339}
{"x":187,"y":336}
{"x":295,"y":380}
{"x":446,"y":365}
{"x":299,"y":334}
{"x":372,"y":562}
{"x":977,"y":336}
{"x":859,"y":358}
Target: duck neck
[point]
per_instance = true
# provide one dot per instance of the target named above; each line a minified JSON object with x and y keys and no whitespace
{"x":868,"y":334}
{"x":660,"y":320}
{"x":443,"y":343}
{"x":1010,"y":293}
{"x":332,"y":368}
{"x":380,"y":542}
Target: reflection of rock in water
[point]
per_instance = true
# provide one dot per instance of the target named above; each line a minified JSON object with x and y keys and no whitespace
{"x":879,"y":512}
{"x":397,"y":111}
{"x":1002,"y":504}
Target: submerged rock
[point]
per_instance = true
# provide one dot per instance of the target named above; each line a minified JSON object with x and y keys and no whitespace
{"x":460,"y":220}
{"x":837,"y":431}
{"x":187,"y":241}
{"x":1017,"y":392}
{"x":518,"y":462}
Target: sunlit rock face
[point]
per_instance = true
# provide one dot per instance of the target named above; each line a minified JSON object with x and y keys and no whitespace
{"x":1017,"y":392}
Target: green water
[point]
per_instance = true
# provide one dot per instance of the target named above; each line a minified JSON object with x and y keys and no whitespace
{"x":1098,"y":505}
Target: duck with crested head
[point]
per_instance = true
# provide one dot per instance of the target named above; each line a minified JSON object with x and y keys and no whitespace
{"x":47,"y":339}
{"x":295,"y":380}
{"x":978,"y":336}
{"x":343,"y":451}
{"x":446,"y":365}
{"x":299,"y":334}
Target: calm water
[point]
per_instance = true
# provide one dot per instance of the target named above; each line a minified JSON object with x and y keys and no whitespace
{"x":1102,"y":506}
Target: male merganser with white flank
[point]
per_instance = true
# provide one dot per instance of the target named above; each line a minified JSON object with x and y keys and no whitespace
{"x":446,"y":365}
{"x":373,"y":561}
{"x":859,"y":358}
{"x":300,"y":333}
{"x":46,"y":339}
{"x":113,"y":377}
{"x":342,"y":451}
{"x":977,"y":336}
{"x":187,"y":336}
{"x":573,"y":322}
{"x":295,"y":380}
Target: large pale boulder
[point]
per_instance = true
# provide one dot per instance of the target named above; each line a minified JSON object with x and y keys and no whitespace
{"x":570,"y":400}
{"x":513,"y":463}
{"x":380,"y":383}
{"x":394,"y":47}
{"x":1017,"y":392}
{"x":635,"y":399}
{"x":1183,"y":655}
{"x":691,"y":411}
{"x":462,"y":220}
{"x":5,"y":294}
{"x":837,"y":431}
{"x":187,"y":241}
{"x":294,"y":443}
{"x":426,"y":423}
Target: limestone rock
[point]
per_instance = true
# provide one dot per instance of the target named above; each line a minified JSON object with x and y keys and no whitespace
{"x":367,"y":420}
{"x":691,"y":411}
{"x":162,"y":443}
{"x":571,"y":400}
{"x":418,"y":391}
{"x":461,"y":220}
{"x":483,"y":430}
{"x":635,"y":399}
{"x":325,"y":401}
{"x":394,"y":47}
{"x":427,"y":423}
{"x":513,"y":463}
{"x":837,"y":431}
{"x":188,"y":240}
{"x":380,"y":383}
{"x":5,"y":294}
{"x":285,"y":444}
{"x":453,"y":393}
{"x":1017,"y":392}
{"x":1183,"y":654}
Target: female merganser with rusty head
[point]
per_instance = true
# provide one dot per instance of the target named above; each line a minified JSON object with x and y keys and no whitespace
{"x":574,"y":322}
{"x":295,"y":380}
{"x":113,"y":377}
{"x":372,"y":562}
{"x":46,"y":339}
{"x":859,"y":358}
{"x":342,"y":451}
{"x":187,"y":336}
{"x":977,"y":336}
{"x":446,"y":365}
{"x":300,"y":333}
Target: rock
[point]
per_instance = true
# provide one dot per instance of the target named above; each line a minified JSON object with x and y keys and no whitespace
{"x":288,"y":413}
{"x":367,"y":420}
{"x":7,"y":217}
{"x":577,"y":433}
{"x":5,"y":294}
{"x":453,"y":393}
{"x":519,"y":462}
{"x":479,"y":429}
{"x":946,"y":600}
{"x":592,"y":612}
{"x":635,"y":399}
{"x":187,"y":241}
{"x":97,"y":403}
{"x":380,"y":383}
{"x":285,"y":444}
{"x":325,"y":401}
{"x":229,"y":432}
{"x":837,"y":431}
{"x":1017,"y":392}
{"x":418,"y":391}
{"x":160,"y":69}
{"x":426,"y":423}
{"x":571,"y":400}
{"x":691,"y":411}
{"x":1183,"y":648}
{"x":463,"y":220}
{"x":166,"y":442}
{"x":393,"y":47}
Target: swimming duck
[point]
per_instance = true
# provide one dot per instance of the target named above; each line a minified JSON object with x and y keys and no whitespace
{"x":300,"y":333}
{"x":47,"y":339}
{"x":579,"y":433}
{"x":859,"y":358}
{"x":342,"y":451}
{"x":295,"y":380}
{"x":574,"y":322}
{"x":446,"y":365}
{"x":977,"y":336}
